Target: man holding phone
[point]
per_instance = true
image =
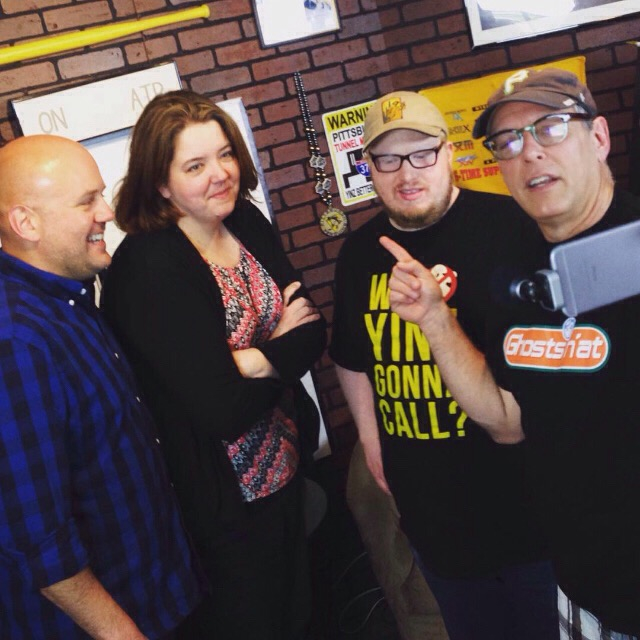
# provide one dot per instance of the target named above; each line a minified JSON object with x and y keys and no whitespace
{"x":569,"y":384}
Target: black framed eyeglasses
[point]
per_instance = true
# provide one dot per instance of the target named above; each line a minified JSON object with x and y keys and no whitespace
{"x":546,"y":131}
{"x":390,"y":162}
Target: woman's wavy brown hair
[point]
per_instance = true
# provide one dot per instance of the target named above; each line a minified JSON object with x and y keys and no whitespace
{"x":139,"y":206}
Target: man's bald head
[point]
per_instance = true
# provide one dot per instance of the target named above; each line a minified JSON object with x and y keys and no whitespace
{"x":29,"y":167}
{"x":52,"y":213}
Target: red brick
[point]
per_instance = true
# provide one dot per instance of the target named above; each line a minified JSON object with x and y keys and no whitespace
{"x":628,"y":98}
{"x":299,"y":194}
{"x":124,"y":8}
{"x":340,"y":52}
{"x":441,"y":49}
{"x":419,"y":10}
{"x":278,"y":178}
{"x":265,"y":162}
{"x":449,"y":25}
{"x":5,"y":107}
{"x":327,"y":314}
{"x":339,"y":417}
{"x":88,"y":64}
{"x":306,"y":257}
{"x":360,"y":25}
{"x":273,"y":135}
{"x":295,"y":152}
{"x":609,"y":32}
{"x":292,"y":218}
{"x":220,"y":80}
{"x":310,"y":235}
{"x":559,"y":46}
{"x":599,"y":59}
{"x":348,"y":95}
{"x":6,"y":131}
{"x":225,"y":9}
{"x":286,"y":243}
{"x":620,"y":122}
{"x":370,"y":5}
{"x":241,"y":52}
{"x":37,"y":74}
{"x":618,"y":145}
{"x":307,"y":44}
{"x":209,"y":35}
{"x":329,"y":77}
{"x":323,"y":295}
{"x":19,"y":6}
{"x":249,"y":28}
{"x":390,"y":18}
{"x":144,"y":6}
{"x":608,"y":102}
{"x":190,"y":64}
{"x":417,"y":78}
{"x":151,"y":49}
{"x":282,"y":110}
{"x":349,"y":7}
{"x":626,"y":52}
{"x":259,"y":94}
{"x":474,"y":64}
{"x":409,"y":34}
{"x":282,"y":65}
{"x":18,"y":28}
{"x":78,"y":15}
{"x":611,"y":79}
{"x":336,"y":398}
{"x":373,"y":66}
{"x":136,"y":53}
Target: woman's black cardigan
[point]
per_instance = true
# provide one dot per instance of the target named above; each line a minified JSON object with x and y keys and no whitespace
{"x":165,"y":306}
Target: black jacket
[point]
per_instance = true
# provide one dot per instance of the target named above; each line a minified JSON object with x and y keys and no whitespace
{"x":166,"y":308}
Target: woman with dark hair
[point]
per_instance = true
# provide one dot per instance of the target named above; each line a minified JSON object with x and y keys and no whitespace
{"x":219,"y":332}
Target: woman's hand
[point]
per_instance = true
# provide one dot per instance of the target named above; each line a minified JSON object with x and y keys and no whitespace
{"x":295,"y":313}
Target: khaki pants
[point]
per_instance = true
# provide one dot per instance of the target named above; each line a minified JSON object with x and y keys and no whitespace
{"x":415,"y":609}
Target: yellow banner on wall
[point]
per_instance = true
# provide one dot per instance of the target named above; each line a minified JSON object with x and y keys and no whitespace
{"x":461,"y":103}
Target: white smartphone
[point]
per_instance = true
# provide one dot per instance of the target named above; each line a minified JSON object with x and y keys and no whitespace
{"x":597,"y":270}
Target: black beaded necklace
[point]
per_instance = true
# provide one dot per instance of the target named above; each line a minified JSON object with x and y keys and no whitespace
{"x":333,"y":221}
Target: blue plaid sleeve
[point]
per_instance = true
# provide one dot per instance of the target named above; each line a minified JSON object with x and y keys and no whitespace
{"x":38,"y":535}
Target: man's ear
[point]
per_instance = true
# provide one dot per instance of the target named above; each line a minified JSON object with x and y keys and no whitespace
{"x":24,"y":222}
{"x":600,"y":135}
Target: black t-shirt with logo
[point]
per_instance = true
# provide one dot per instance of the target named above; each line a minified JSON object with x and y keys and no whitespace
{"x":463,"y":499}
{"x":578,"y":386}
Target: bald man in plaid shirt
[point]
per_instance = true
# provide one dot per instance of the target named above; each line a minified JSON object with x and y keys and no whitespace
{"x":91,"y":542}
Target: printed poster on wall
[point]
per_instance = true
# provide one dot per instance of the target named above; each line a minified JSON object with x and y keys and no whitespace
{"x":460,"y":102}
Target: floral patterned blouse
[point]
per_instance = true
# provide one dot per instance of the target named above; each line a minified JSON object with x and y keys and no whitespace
{"x":266,"y":457}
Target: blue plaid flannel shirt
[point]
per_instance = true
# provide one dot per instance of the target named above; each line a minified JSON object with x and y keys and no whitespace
{"x":82,"y":481}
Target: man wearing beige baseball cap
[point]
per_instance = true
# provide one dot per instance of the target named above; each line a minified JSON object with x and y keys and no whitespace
{"x":569,"y":384}
{"x":470,"y":531}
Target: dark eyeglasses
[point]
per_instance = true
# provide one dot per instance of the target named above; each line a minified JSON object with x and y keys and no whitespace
{"x":546,"y":131}
{"x":390,"y":162}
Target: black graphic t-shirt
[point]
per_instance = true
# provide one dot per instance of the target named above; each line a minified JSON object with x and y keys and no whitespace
{"x":577,"y":383}
{"x":463,"y":499}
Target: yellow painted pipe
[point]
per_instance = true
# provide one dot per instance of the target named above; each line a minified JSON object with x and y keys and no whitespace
{"x":94,"y":35}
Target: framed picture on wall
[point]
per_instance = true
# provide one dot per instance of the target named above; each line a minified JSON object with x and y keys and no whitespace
{"x":281,"y":21}
{"x":501,"y":20}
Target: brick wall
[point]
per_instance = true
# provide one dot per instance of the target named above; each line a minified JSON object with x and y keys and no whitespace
{"x":382,"y":45}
